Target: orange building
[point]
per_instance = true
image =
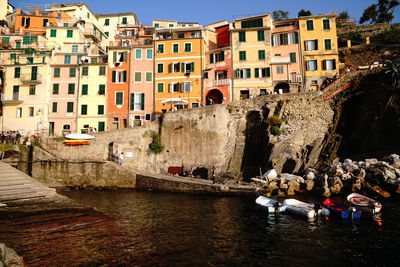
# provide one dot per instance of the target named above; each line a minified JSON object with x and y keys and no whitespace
{"x":36,"y":20}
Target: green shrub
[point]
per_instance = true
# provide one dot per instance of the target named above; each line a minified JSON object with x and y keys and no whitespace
{"x":275,"y":130}
{"x":6,"y":147}
{"x":155,"y":146}
{"x":274,"y":121}
{"x":58,"y":139}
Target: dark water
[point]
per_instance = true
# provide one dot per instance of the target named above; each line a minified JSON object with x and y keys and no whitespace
{"x":165,"y":229}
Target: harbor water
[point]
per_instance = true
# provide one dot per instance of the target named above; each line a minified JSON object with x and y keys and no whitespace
{"x":148,"y":228}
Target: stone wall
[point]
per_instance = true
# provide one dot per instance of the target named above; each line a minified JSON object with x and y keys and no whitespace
{"x":230,"y":140}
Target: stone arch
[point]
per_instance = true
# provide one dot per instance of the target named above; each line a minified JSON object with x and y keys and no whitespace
{"x":214,"y":96}
{"x":282,"y":88}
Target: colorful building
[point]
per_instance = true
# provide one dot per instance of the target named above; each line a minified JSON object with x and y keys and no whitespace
{"x":6,"y":8}
{"x":218,"y":68}
{"x":179,"y":61}
{"x":319,"y":49}
{"x":110,"y":22}
{"x":286,"y":67}
{"x":251,"y":56}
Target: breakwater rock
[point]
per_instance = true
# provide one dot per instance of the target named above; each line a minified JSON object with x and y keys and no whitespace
{"x":380,"y":177}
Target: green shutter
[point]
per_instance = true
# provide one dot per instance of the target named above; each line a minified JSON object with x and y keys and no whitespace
{"x":132,"y":102}
{"x":124,"y":76}
{"x":286,"y":38}
{"x":293,"y":57}
{"x":324,"y":64}
{"x":54,"y":109}
{"x":100,"y":109}
{"x":160,"y":88}
{"x":211,"y":58}
{"x":268,"y":72}
{"x":183,"y":67}
{"x":72,"y":72}
{"x":56,"y":87}
{"x":296,"y":37}
{"x":83,"y":109}
{"x":70,"y":107}
{"x":256,"y":72}
{"x":56,"y":72}
{"x":149,"y":76}
{"x":102,"y":89}
{"x":84,"y":89}
{"x":260,"y":35}
{"x":138,"y":76}
{"x":114,"y":56}
{"x":101,"y":126}
{"x":125,"y":56}
{"x":192,"y":67}
{"x":69,"y":33}
{"x":6,"y":40}
{"x":17,"y":72}
{"x":71,"y":88}
{"x":114,"y":76}
{"x":242,"y":36}
{"x":85,"y":71}
{"x":142,"y":101}
{"x":248,"y":73}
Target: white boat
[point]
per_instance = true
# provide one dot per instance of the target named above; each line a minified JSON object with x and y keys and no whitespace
{"x":305,"y":209}
{"x":76,"y":136}
{"x":270,"y":205}
{"x":364,"y":203}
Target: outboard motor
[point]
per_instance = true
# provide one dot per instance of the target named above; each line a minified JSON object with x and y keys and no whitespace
{"x":276,"y":206}
{"x":317,"y":207}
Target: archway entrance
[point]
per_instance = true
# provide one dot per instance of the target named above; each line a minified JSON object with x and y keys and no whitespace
{"x":282,"y":88}
{"x":214,"y":96}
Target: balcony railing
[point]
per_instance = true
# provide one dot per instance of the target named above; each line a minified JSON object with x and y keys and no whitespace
{"x":14,"y":100}
{"x":221,"y":82}
{"x":31,"y":78}
{"x":93,"y":34}
{"x":295,"y":78}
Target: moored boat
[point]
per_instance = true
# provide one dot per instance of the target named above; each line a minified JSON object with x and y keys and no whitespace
{"x":305,"y":209}
{"x":341,"y":210}
{"x":270,"y":205}
{"x":364,"y":203}
{"x":76,"y":136}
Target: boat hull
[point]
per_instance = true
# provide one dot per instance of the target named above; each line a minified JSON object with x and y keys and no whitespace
{"x":76,"y":136}
{"x":341,"y":211}
{"x":304,"y":209}
{"x":364,"y":203}
{"x":268,"y":204}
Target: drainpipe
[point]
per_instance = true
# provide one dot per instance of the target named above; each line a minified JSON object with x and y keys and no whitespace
{"x":201,"y":70}
{"x":77,"y":96}
{"x":232,"y":70}
{"x":302,"y":67}
{"x":128,"y":74}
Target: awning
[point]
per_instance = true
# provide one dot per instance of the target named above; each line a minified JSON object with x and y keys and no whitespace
{"x":174,"y":101}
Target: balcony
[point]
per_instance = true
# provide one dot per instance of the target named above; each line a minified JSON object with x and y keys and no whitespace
{"x":15,"y":99}
{"x":32,"y":78}
{"x":96,"y":35}
{"x":295,"y":78}
{"x":221,"y":82}
{"x":280,"y":60}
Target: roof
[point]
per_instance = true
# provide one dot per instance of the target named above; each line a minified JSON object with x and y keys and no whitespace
{"x":117,"y":14}
{"x":318,"y":16}
{"x":217,"y":22}
{"x":253,"y":17}
{"x":164,"y":20}
{"x":188,"y":23}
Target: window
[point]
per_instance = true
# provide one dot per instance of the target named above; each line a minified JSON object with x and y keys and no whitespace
{"x":175,"y":67}
{"x":242,"y":36}
{"x":18,"y":44}
{"x":149,"y":53}
{"x":279,"y":69}
{"x":181,"y":35}
{"x":85,"y":71}
{"x":107,"y":22}
{"x":100,"y":110}
{"x":262,"y":72}
{"x":311,"y":45}
{"x":102,"y":126}
{"x":74,"y":48}
{"x":149,"y":76}
{"x":160,"y":48}
{"x":217,"y":57}
{"x":171,"y":25}
{"x":160,"y":87}
{"x":107,"y":34}
{"x":195,"y":105}
{"x":188,"y":47}
{"x":326,"y":24}
{"x":102,"y":89}
{"x":243,"y":73}
{"x":17,"y":72}
{"x":54,"y":107}
{"x":119,"y":98}
{"x":119,"y":76}
{"x":242,"y":55}
{"x":56,"y":73}
{"x":253,"y":23}
{"x":31,"y":111}
{"x":29,"y":60}
{"x":70,"y":33}
{"x":120,"y":56}
{"x":174,"y":87}
{"x":71,"y":88}
{"x":124,"y":20}
{"x":160,"y":68}
{"x":26,"y":22}
{"x":19,"y":113}
{"x":56,"y":88}
{"x":329,"y":64}
{"x":310,"y":25}
{"x":83,"y":109}
{"x":328,"y":44}
{"x":53,"y":33}
{"x":138,"y":53}
{"x":186,"y":87}
{"x":13,"y":56}
{"x":29,"y":39}
{"x":67,"y":59}
{"x":45,"y":22}
{"x":147,"y":117}
{"x":261,"y":54}
{"x":72,"y":72}
{"x":311,"y":65}
{"x":32,"y":89}
{"x":70,"y":107}
{"x":260,"y":36}
{"x":102,"y":70}
{"x":292,"y":57}
{"x":156,"y":24}
{"x":188,"y":67}
{"x":138,"y":77}
{"x":137,"y":101}
{"x":175,"y":48}
{"x":85,"y":89}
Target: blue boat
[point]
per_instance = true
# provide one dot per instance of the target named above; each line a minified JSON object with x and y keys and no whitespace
{"x":341,"y":210}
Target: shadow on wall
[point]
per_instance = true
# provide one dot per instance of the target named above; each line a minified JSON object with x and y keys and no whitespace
{"x":257,"y":147}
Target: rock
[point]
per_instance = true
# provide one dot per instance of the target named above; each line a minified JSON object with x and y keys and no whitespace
{"x":310,"y":185}
{"x":339,"y":172}
{"x":294,"y":185}
{"x":258,"y":180}
{"x":310,"y":176}
{"x":372,"y":161}
{"x":327,"y":192}
{"x":311,"y":173}
{"x":272,"y":186}
{"x":284,"y":186}
{"x":8,"y":257}
{"x":389,"y":175}
{"x":346,"y":176}
{"x":291,"y":191}
{"x":289,"y":177}
{"x":271,"y":175}
{"x":362,"y":174}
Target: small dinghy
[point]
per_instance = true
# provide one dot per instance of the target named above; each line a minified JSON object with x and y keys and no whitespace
{"x":270,"y":205}
{"x":76,"y":136}
{"x":364,"y":203}
{"x":341,"y":210}
{"x":305,"y":209}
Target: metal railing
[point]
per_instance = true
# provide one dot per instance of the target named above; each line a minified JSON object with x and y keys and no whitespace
{"x":31,"y":78}
{"x":221,"y":82}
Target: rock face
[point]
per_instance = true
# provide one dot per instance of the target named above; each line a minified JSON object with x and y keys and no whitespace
{"x":230,"y":140}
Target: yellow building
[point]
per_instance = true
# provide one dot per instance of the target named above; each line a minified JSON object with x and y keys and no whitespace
{"x":110,"y":22}
{"x":92,"y":96}
{"x":319,"y":49}
{"x":179,"y":60}
{"x":5,"y":9}
{"x":251,"y":56}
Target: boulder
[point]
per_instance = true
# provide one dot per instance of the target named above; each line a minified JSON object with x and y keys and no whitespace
{"x":372,"y":161}
{"x":388,"y":174}
{"x":272,"y":186}
{"x":327,"y":192}
{"x":290,"y":177}
{"x":271,"y":175}
{"x":339,"y":172}
{"x":310,"y":176}
{"x":309,"y":185}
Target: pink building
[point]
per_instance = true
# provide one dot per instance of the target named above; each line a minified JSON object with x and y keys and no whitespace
{"x":285,"y":63}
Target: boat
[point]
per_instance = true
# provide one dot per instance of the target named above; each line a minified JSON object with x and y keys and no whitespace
{"x":75,"y":143}
{"x":341,"y":210}
{"x":270,"y":205}
{"x":305,"y":209}
{"x":75,"y":140}
{"x":76,"y":136}
{"x":364,"y":203}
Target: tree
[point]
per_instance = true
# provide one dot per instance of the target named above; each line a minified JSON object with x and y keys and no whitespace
{"x":344,"y":15}
{"x":280,"y":14}
{"x":380,"y":13}
{"x":304,"y":13}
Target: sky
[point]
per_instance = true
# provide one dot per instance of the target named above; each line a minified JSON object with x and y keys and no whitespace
{"x":209,"y":11}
